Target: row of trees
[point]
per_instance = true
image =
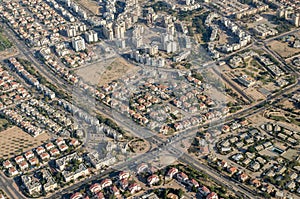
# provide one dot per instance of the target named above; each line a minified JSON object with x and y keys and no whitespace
{"x":28,"y":67}
{"x":109,"y":122}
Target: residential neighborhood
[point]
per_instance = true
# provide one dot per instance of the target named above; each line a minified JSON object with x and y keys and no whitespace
{"x":195,"y":99}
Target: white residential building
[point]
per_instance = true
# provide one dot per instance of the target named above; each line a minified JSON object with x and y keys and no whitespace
{"x":78,"y":44}
{"x":91,"y":36}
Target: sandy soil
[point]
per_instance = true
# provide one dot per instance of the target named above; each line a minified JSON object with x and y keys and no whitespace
{"x":140,"y":146}
{"x":223,"y":38}
{"x":255,"y":94}
{"x":104,"y":72}
{"x":13,"y":140}
{"x":283,"y":49}
{"x":8,"y":53}
{"x":91,"y":5}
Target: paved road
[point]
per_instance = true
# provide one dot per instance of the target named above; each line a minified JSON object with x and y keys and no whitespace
{"x":7,"y":185}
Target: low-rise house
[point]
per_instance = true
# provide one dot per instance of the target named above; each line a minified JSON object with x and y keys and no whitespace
{"x":100,"y":195}
{"x":232,"y":170}
{"x":49,"y":146}
{"x":152,"y":179}
{"x":270,"y":173}
{"x":255,"y":166}
{"x":225,"y":128}
{"x":150,"y":195}
{"x":54,"y":152}
{"x":33,"y":161}
{"x":281,"y":170}
{"x":291,"y":185}
{"x":76,"y":195}
{"x":45,"y":156}
{"x":40,"y":150}
{"x":23,"y":165}
{"x":172,"y":196}
{"x":293,"y":176}
{"x":142,"y":168}
{"x":7,"y":164}
{"x":95,"y":188}
{"x":133,"y":188}
{"x":247,"y":161}
{"x":267,"y":188}
{"x":29,"y":155}
{"x":105,"y":183}
{"x":114,"y":190}
{"x":123,"y":184}
{"x":124,"y":175}
{"x":19,"y":159}
{"x":63,"y":147}
{"x":237,"y":157}
{"x":226,"y":149}
{"x":212,"y":195}
{"x":261,"y":160}
{"x":12,"y":171}
{"x":255,"y":182}
{"x":204,"y":191}
{"x":74,"y":143}
{"x":223,"y":164}
{"x":182,"y":177}
{"x":243,"y":177}
{"x":193,"y":183}
{"x":172,"y":172}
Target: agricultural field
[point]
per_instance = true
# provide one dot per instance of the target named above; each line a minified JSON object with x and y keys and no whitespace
{"x":14,"y":141}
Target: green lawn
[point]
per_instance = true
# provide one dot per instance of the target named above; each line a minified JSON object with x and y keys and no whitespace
{"x":4,"y":124}
{"x":4,"y":42}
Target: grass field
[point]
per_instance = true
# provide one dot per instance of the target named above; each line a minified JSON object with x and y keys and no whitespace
{"x":4,"y":42}
{"x":4,"y":124}
{"x":14,"y":141}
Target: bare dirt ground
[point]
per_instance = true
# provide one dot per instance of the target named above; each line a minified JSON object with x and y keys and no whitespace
{"x":289,"y":104}
{"x":104,"y":72}
{"x":255,"y":94}
{"x":223,"y":38}
{"x":14,"y":141}
{"x":8,"y":53}
{"x":91,"y":5}
{"x":267,"y":18}
{"x":257,"y":120}
{"x":283,"y":49}
{"x":139,"y":146}
{"x":220,"y":94}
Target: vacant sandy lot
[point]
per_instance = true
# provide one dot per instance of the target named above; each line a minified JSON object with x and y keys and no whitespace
{"x":8,"y":53}
{"x":283,"y":49}
{"x":104,"y":72}
{"x":14,"y":141}
{"x":223,"y":38}
{"x":90,"y":5}
{"x":253,"y":93}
